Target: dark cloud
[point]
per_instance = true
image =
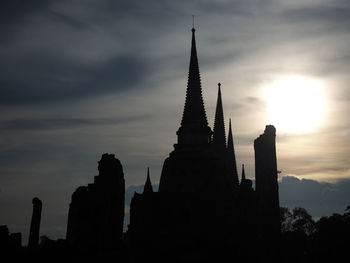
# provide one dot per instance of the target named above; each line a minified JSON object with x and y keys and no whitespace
{"x":70,"y":21}
{"x":319,"y":198}
{"x":334,"y":14}
{"x":48,"y":79}
{"x":14,"y":10}
{"x":45,"y":69}
{"x":42,"y":60}
{"x":14,"y":13}
{"x":236,"y":7}
{"x":63,"y":123}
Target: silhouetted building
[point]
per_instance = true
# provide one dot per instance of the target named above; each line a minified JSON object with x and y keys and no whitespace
{"x":96,"y":211}
{"x":201,"y":210}
{"x":247,"y":209}
{"x":33,"y":241}
{"x":145,"y":222}
{"x":194,"y":177}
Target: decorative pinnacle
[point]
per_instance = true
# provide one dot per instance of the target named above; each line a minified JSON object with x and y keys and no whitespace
{"x":148,"y":185}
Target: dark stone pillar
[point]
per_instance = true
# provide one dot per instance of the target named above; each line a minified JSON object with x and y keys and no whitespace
{"x":266,"y":184}
{"x":35,"y":224}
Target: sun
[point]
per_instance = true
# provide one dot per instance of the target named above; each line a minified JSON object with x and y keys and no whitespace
{"x":296,"y":104}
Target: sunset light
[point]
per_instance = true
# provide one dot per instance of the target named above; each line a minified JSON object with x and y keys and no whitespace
{"x":296,"y":104}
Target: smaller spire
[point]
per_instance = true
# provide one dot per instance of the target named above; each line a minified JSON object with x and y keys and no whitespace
{"x":232,"y":156}
{"x":219,"y":137}
{"x":148,"y":185}
{"x":243,"y":174}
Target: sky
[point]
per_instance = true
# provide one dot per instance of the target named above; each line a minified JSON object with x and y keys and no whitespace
{"x":81,"y":78}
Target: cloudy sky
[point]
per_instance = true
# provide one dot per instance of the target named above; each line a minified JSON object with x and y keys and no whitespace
{"x":81,"y":78}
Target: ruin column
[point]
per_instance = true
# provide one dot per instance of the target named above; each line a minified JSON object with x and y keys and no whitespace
{"x":267,"y":183}
{"x":35,"y":223}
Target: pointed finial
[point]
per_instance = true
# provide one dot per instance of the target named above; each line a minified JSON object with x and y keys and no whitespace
{"x":219,"y":85}
{"x":193,"y":30}
{"x":148,"y":185}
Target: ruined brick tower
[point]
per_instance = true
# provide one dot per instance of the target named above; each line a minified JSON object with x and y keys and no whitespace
{"x":96,"y":212}
{"x":266,"y":183}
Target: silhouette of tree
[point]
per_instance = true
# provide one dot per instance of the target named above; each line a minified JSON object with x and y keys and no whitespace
{"x":332,"y":237}
{"x":302,"y":221}
{"x":297,"y":220}
{"x":297,"y":229}
{"x":347,"y":212}
{"x":286,"y":219}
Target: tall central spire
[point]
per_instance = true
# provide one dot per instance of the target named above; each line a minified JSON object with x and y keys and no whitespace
{"x":194,"y":112}
{"x":194,"y":125}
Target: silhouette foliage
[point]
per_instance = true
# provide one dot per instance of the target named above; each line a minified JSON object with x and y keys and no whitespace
{"x":306,"y":240}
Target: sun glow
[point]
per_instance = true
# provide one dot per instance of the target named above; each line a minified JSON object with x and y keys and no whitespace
{"x":296,"y":104}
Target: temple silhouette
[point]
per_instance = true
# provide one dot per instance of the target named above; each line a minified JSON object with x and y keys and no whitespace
{"x":202,"y":211}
